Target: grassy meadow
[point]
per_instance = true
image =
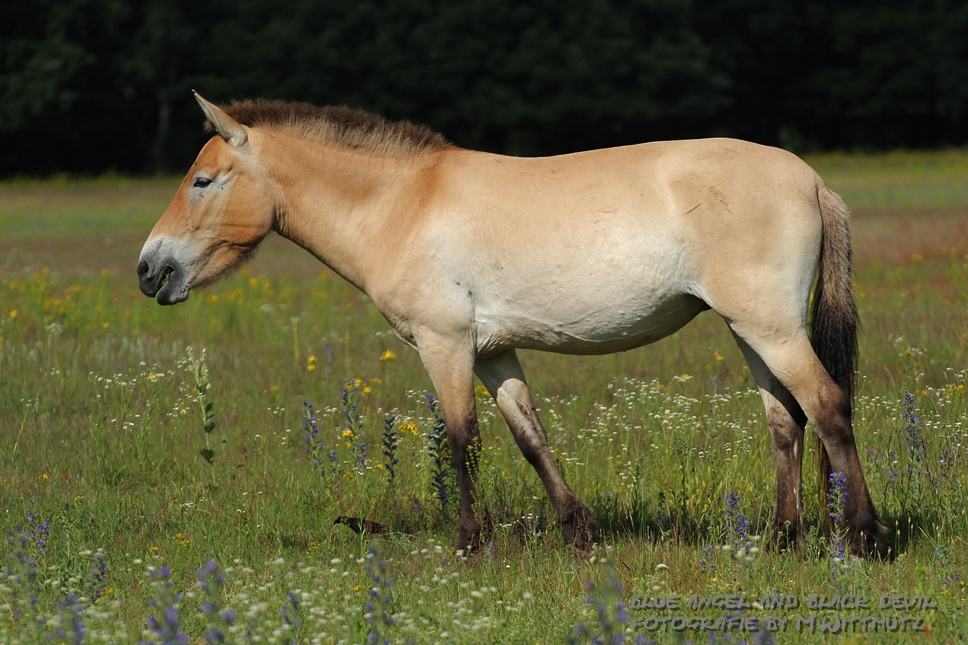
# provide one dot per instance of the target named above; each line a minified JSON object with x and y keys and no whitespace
{"x":164,"y":479}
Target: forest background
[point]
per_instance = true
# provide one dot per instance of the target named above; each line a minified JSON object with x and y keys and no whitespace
{"x":94,"y":86}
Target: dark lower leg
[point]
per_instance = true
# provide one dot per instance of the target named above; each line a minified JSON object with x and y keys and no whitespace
{"x":833,"y":426}
{"x":504,"y":378}
{"x":786,"y":421}
{"x":466,"y":448}
{"x":529,"y":434}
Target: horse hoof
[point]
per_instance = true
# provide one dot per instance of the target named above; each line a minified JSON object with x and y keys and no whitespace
{"x":867,"y":542}
{"x":579,"y":529}
{"x":471,"y":539}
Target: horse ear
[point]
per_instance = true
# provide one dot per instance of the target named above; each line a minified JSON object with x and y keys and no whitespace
{"x":227,"y":127}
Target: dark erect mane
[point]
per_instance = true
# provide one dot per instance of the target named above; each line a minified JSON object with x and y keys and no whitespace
{"x":338,"y":125}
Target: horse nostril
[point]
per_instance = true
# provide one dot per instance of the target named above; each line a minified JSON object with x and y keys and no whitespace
{"x":142,"y":268}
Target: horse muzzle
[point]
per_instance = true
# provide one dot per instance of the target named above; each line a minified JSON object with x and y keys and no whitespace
{"x":164,"y":280}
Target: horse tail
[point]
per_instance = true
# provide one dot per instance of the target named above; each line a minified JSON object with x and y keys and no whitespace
{"x":833,"y":332}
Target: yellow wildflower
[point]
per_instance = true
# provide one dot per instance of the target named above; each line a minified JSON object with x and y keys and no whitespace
{"x":410,"y":427}
{"x":348,"y":433}
{"x":311,"y":363}
{"x":480,"y":389}
{"x":45,"y":476}
{"x":388,"y":356}
{"x":13,"y":314}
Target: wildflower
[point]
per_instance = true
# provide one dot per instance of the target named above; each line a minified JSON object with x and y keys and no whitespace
{"x":388,"y":356}
{"x":290,"y":612}
{"x":442,"y":473}
{"x":390,"y":442}
{"x":311,"y":363}
{"x":167,"y":629}
{"x":912,"y":429}
{"x":836,"y":502}
{"x":377,"y":609}
{"x":71,"y":611}
{"x":219,"y":621}
{"x":737,"y":531}
{"x":38,"y":530}
{"x":325,"y":463}
{"x":411,"y":427}
{"x":611,"y":612}
{"x":350,"y":399}
{"x":13,"y":314}
{"x":96,"y":576}
{"x":23,"y":596}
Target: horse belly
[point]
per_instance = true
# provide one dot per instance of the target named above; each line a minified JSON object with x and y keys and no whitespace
{"x":572,"y":325}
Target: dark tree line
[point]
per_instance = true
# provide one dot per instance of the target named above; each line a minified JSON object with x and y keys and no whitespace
{"x":92,"y":85}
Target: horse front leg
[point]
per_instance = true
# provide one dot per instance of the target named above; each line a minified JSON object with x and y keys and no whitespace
{"x":504,"y":379}
{"x":451,"y":368}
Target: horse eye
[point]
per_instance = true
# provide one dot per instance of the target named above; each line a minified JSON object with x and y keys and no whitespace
{"x":201,"y":182}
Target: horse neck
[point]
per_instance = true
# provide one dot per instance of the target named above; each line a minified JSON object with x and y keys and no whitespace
{"x":335,"y":202}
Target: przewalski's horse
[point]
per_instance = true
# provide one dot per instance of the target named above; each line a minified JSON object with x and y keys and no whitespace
{"x":470,"y":256}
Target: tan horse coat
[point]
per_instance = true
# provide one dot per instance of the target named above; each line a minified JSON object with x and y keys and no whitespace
{"x":470,"y":256}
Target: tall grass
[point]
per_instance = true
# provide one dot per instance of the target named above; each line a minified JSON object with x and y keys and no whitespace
{"x":120,"y":526}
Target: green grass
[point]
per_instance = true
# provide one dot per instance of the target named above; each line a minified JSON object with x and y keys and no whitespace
{"x":899,"y":180}
{"x":100,"y":436}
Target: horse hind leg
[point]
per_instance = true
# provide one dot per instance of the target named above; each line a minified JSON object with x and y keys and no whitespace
{"x":786,"y":420}
{"x":504,"y":379}
{"x":791,"y":359}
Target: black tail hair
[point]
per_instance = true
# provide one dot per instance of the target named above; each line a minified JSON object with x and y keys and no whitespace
{"x":833,"y":332}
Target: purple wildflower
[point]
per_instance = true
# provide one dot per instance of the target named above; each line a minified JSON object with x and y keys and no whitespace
{"x":166,"y":629}
{"x":442,"y":473}
{"x":836,"y":503}
{"x":611,"y":612}
{"x":391,"y":440}
{"x":211,"y":581}
{"x":96,"y":576}
{"x":912,"y":429}
{"x":378,"y":613}
{"x":72,"y":628}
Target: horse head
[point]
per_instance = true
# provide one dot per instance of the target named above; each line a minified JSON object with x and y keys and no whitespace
{"x":222,"y":210}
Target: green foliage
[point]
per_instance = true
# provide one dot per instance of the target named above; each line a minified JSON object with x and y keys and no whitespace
{"x":92,"y":85}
